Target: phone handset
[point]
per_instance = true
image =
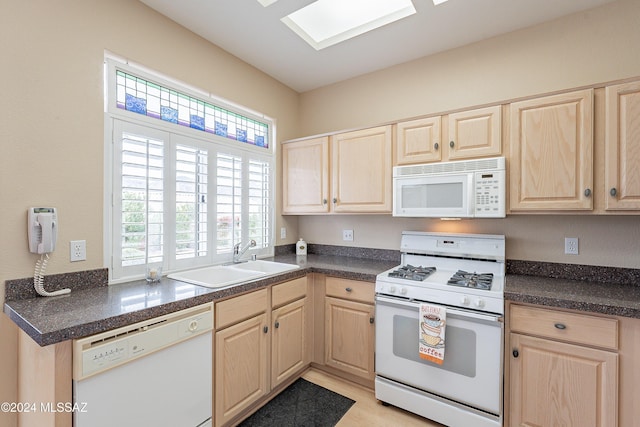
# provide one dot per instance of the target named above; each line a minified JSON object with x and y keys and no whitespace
{"x":42,"y":229}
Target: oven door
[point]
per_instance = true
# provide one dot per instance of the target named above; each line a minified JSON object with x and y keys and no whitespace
{"x":472,"y":370}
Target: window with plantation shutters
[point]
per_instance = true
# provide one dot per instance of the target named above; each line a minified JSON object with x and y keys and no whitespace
{"x":191,"y":202}
{"x":228,"y":202}
{"x":139,"y":190}
{"x":259,"y":202}
{"x":180,"y":197}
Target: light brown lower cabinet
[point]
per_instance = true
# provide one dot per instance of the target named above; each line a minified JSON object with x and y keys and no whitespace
{"x":261,"y":341}
{"x":563,"y":369}
{"x":349,"y":327}
{"x":290,"y":346}
{"x":241,"y":354}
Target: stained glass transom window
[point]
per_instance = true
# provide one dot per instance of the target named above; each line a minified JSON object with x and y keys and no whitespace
{"x":153,"y":100}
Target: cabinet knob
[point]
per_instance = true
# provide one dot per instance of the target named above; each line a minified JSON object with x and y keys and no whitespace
{"x":451,"y":144}
{"x":560,"y":326}
{"x":371,"y":319}
{"x":335,"y":200}
{"x":324,"y":201}
{"x":613,"y":192}
{"x":277,"y":324}
{"x":515,"y":353}
{"x":348,"y":289}
{"x":265,"y":329}
{"x":587,"y":192}
{"x":436,"y":146}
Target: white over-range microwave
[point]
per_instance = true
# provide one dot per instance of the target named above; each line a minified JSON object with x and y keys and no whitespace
{"x":458,"y":189}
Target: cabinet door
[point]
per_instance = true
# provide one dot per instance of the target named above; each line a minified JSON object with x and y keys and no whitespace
{"x":557,"y":384}
{"x":551,"y":153}
{"x":288,"y":341}
{"x":361,"y":171}
{"x":305,"y":176}
{"x":418,"y":141}
{"x":475,"y":133}
{"x":240,"y":367}
{"x":622,"y":147}
{"x":349,"y":337}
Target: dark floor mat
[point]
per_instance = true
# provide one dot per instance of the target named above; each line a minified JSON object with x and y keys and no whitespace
{"x":302,"y":404}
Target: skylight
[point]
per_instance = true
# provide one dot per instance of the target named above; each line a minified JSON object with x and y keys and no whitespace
{"x":327,"y":22}
{"x":266,"y":3}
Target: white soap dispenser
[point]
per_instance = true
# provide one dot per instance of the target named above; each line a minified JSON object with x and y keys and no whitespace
{"x":301,"y":247}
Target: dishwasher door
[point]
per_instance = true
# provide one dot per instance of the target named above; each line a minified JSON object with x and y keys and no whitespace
{"x":157,"y":373}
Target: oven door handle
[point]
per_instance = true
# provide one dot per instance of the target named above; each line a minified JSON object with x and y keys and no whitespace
{"x":462,"y":313}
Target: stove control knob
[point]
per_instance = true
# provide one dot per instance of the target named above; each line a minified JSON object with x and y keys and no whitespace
{"x":479,"y":303}
{"x":464,"y":300}
{"x":403,"y":291}
{"x":392,"y":289}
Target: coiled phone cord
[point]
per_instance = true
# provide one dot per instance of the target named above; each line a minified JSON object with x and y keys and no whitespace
{"x":38,"y":279}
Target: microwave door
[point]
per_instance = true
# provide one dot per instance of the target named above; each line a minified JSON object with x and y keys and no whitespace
{"x":434,"y":196}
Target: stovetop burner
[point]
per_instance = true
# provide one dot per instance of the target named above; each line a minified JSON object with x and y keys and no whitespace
{"x":471,"y":280}
{"x":412,"y":273}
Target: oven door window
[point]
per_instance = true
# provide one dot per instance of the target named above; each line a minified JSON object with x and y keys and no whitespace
{"x":459,"y":362}
{"x":472,"y":370}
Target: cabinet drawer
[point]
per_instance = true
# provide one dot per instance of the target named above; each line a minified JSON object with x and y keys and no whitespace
{"x":350,"y":289}
{"x":239,"y":308}
{"x":283,"y":293}
{"x":576,"y":328}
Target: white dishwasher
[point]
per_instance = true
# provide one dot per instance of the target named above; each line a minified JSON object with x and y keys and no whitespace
{"x":153,"y":373}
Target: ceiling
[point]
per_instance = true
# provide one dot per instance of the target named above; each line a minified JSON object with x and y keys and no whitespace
{"x":256,"y":35}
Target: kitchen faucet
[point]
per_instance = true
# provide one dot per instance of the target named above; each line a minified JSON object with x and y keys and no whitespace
{"x":238,"y":252}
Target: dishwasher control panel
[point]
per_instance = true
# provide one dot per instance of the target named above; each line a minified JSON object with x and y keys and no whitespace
{"x":101,"y":352}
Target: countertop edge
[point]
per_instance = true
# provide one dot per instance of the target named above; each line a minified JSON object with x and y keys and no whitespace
{"x":81,"y":330}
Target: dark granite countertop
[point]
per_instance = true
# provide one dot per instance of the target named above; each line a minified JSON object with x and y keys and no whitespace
{"x":91,"y":310}
{"x":598,"y":289}
{"x":606,"y":298}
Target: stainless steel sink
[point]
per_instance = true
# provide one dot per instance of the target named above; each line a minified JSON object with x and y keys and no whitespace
{"x":220,"y":276}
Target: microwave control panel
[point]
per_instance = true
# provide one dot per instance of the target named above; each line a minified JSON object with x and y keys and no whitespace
{"x":490,"y":194}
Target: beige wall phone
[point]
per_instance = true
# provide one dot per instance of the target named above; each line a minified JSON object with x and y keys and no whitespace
{"x":42,"y":229}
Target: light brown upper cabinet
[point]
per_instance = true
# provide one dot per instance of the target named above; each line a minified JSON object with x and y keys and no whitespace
{"x":361,"y":171}
{"x":551,"y":153}
{"x":464,"y":135}
{"x":418,"y":141}
{"x":622,"y":147}
{"x":358,"y":174}
{"x":475,"y":133}
{"x":305,"y":176}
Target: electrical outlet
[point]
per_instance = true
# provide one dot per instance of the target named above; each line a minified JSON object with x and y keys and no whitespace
{"x":283,"y":232}
{"x":571,"y":245}
{"x":78,"y":250}
{"x":347,"y":235}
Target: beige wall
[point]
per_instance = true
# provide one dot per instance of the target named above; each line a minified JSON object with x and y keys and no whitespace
{"x":51,"y":121}
{"x":588,"y":48}
{"x":591,"y":47}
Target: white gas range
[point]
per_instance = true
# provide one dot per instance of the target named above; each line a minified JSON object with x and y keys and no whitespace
{"x":465,"y":270}
{"x":464,"y":275}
